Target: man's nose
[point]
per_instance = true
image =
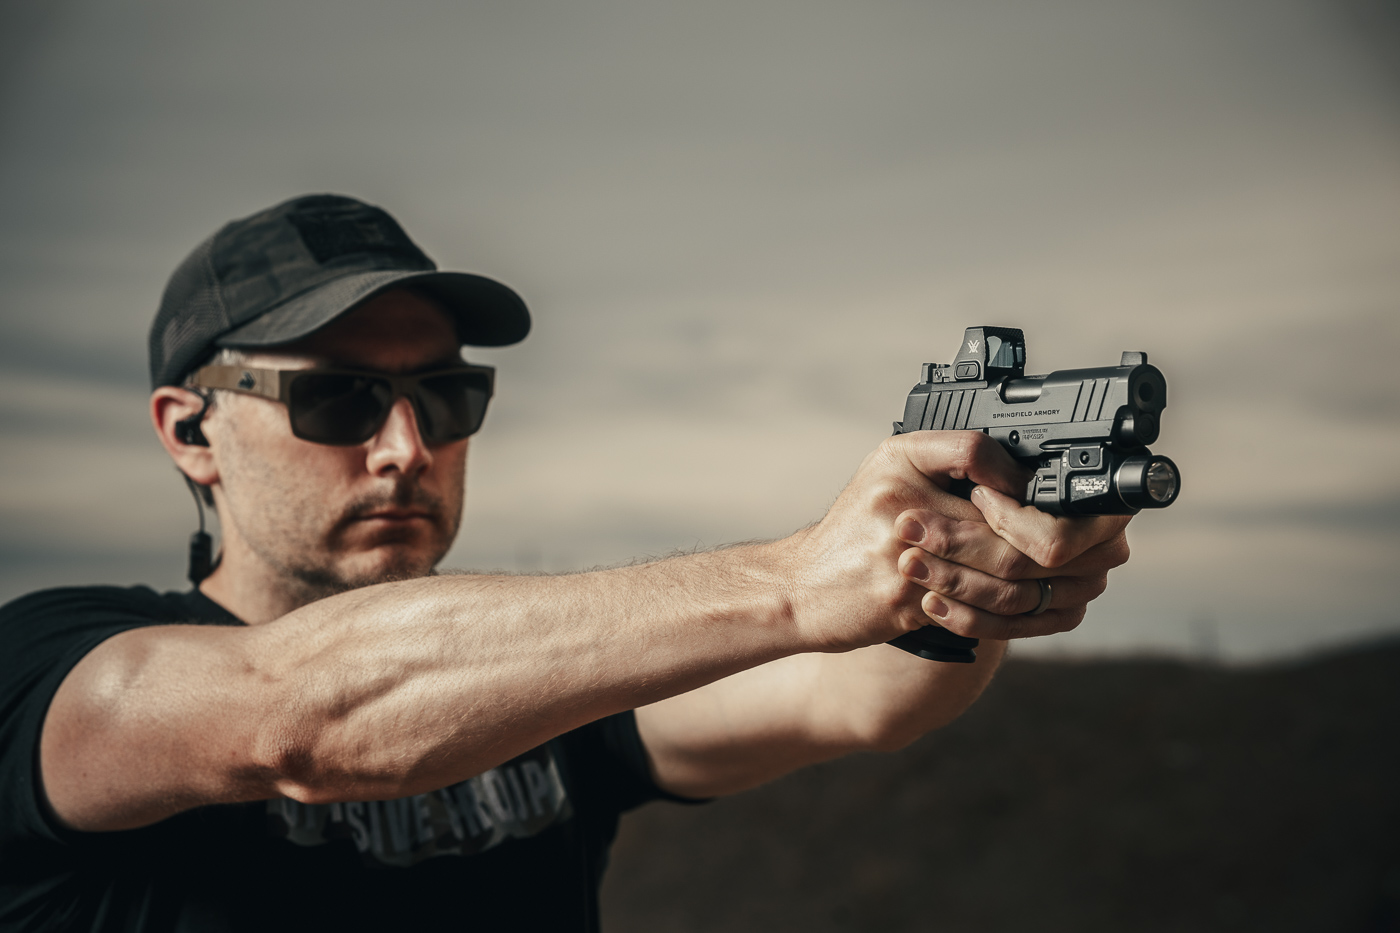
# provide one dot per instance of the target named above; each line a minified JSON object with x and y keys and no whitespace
{"x":399,"y":444}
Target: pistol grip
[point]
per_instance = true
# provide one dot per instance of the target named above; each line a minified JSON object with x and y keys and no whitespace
{"x":936,"y":643}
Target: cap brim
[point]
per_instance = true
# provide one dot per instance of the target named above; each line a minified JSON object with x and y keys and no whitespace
{"x":487,"y":313}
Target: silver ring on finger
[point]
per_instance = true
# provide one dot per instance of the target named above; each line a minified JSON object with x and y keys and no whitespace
{"x":1046,"y":594}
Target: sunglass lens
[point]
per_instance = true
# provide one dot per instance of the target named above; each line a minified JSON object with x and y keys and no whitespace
{"x":338,"y":408}
{"x":452,"y":406}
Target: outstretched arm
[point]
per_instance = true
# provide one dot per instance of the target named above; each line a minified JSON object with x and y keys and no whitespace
{"x":408,"y":687}
{"x":395,"y":689}
{"x":405,"y":687}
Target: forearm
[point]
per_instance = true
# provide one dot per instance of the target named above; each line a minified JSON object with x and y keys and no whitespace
{"x":886,"y":698}
{"x":394,"y":689}
{"x":759,"y":724}
{"x":404,"y":687}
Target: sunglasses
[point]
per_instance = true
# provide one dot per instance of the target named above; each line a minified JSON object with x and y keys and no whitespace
{"x":348,"y":406}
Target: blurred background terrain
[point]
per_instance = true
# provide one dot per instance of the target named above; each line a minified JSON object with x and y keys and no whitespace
{"x":1093,"y":797}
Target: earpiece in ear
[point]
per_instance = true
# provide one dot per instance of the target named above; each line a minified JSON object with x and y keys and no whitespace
{"x":187,"y":431}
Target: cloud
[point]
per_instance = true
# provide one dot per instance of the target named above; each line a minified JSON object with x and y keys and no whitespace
{"x":741,"y":228}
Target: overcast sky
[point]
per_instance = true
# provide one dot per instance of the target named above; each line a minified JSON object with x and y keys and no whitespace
{"x":741,"y":227}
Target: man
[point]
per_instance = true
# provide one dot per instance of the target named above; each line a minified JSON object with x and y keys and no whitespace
{"x":325,"y":735}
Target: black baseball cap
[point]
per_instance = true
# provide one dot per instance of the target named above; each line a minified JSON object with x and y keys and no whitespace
{"x":290,"y":270}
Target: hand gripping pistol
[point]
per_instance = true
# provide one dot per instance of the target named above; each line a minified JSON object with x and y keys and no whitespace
{"x":1084,"y":431}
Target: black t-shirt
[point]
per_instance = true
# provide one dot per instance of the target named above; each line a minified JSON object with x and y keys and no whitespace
{"x":520,"y":847}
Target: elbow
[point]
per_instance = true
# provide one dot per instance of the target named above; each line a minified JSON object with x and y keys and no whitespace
{"x":304,"y":744}
{"x":285,"y":760}
{"x":310,"y":765}
{"x":294,"y":759}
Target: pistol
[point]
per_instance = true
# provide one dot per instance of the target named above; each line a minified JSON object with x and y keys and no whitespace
{"x":1083,"y":431}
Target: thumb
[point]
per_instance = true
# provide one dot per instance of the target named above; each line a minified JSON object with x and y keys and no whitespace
{"x":1024,"y":527}
{"x":1049,"y":540}
{"x":944,"y":455}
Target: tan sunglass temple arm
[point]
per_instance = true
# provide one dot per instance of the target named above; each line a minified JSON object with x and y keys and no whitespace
{"x":264,"y":382}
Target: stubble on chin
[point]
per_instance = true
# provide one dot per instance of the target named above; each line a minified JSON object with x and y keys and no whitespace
{"x":354,"y":557}
{"x":359,"y":556}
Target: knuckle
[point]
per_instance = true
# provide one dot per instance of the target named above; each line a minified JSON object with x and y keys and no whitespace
{"x":945,"y":578}
{"x":1067,"y":620}
{"x":976,"y":623}
{"x":891,"y":450}
{"x":1119,"y":552}
{"x":908,"y":515}
{"x":964,"y":450}
{"x":911,"y":619}
{"x":1052,"y":550}
{"x":1009,"y":563}
{"x":1012,"y":627}
{"x":976,"y":444}
{"x":1014,"y":599}
{"x":999,"y":597}
{"x":894,"y":598}
{"x":995,"y":520}
{"x":888,"y":495}
{"x":938,"y":537}
{"x":982,"y":448}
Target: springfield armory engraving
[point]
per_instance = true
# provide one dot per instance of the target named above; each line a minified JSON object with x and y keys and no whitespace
{"x":1042,"y":413}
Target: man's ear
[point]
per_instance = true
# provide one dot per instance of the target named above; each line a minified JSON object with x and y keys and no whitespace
{"x":175,"y":413}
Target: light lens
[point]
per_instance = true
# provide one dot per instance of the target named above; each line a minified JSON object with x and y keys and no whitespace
{"x":1161,"y":481}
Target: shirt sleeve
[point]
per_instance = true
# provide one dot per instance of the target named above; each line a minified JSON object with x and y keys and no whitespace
{"x":42,"y":637}
{"x":615,"y":748}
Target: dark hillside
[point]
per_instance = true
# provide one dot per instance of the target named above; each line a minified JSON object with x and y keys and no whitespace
{"x":1113,"y":796}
